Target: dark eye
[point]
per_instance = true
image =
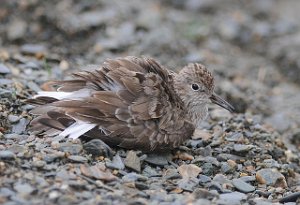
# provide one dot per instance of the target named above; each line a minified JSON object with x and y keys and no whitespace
{"x":195,"y":86}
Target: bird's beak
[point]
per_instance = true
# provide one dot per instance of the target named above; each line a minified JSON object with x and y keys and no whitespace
{"x":221,"y":102}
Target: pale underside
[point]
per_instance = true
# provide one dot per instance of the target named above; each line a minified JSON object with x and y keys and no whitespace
{"x":128,"y":102}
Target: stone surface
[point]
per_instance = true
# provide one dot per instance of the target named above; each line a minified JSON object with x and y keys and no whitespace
{"x":271,"y":177}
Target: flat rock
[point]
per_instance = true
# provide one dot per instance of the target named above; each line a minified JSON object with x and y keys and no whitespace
{"x":4,"y":69}
{"x":233,"y":198}
{"x":77,"y":158}
{"x":23,"y":189}
{"x":158,"y":159}
{"x":7,"y":155}
{"x":271,"y":177}
{"x":189,"y":170}
{"x":132,"y":161}
{"x":116,"y":163}
{"x":242,"y":186}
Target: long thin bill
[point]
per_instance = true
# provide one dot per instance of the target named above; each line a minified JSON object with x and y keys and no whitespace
{"x":221,"y":102}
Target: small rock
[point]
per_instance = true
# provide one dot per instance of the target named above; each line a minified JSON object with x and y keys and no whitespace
{"x":271,"y":177}
{"x":203,"y":179}
{"x":23,"y":189}
{"x":15,"y":148}
{"x":13,"y":118}
{"x":16,"y":29}
{"x":201,"y":134}
{"x":290,"y":198}
{"x":208,"y":169}
{"x":116,"y":163}
{"x":20,"y":127}
{"x":235,"y":137}
{"x":33,"y":49}
{"x":204,"y":194}
{"x":132,"y":161}
{"x":188,"y":184}
{"x":242,"y":186}
{"x":97,"y":172}
{"x":77,"y":158}
{"x":158,"y":159}
{"x":7,"y":155}
{"x":69,"y":147}
{"x":97,"y":148}
{"x":248,"y":178}
{"x":189,"y":170}
{"x":38,"y":164}
{"x":234,"y":198}
{"x":5,"y":93}
{"x":132,"y":177}
{"x":4,"y":69}
{"x":242,"y":147}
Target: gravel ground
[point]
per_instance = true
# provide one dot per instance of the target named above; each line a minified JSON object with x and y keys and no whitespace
{"x":250,"y":157}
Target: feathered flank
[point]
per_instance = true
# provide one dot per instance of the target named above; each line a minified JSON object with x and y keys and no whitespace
{"x":130,"y":102}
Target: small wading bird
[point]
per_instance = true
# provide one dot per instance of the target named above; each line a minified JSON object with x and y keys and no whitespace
{"x":131,"y":102}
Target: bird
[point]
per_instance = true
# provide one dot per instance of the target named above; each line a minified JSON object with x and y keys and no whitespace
{"x":129,"y":102}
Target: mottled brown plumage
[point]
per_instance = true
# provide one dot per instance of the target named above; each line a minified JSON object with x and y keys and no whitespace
{"x":131,"y":102}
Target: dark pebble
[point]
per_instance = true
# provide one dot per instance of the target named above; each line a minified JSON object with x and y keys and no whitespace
{"x":290,"y":198}
{"x":242,"y":186}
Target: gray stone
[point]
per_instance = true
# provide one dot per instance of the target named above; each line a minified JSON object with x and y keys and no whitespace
{"x":16,"y":29}
{"x":158,"y":159}
{"x":4,"y":69}
{"x":188,"y":184}
{"x":13,"y":118}
{"x":77,"y":158}
{"x":7,"y":155}
{"x":23,"y":189}
{"x":271,"y":177}
{"x":132,"y":177}
{"x":132,"y":161}
{"x":116,"y":163}
{"x":242,"y":186}
{"x":73,"y":149}
{"x":20,"y":127}
{"x":234,"y":198}
{"x":242,"y":147}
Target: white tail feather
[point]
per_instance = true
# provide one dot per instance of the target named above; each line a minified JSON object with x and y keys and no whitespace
{"x":83,"y":93}
{"x":77,"y":129}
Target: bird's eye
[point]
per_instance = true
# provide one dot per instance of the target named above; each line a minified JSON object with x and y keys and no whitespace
{"x":195,"y":87}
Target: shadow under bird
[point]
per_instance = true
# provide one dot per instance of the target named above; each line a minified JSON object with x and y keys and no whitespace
{"x":130,"y":102}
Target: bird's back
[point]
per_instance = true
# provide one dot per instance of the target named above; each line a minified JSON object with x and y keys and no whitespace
{"x":128,"y":102}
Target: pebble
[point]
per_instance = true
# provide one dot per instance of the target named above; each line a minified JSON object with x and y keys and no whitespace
{"x":97,"y":148}
{"x":20,"y":126}
{"x":77,"y":158}
{"x":7,"y":155}
{"x":132,"y":161}
{"x":116,"y":163}
{"x":242,"y":147}
{"x":69,"y":147}
{"x":242,"y":186}
{"x":33,"y":49}
{"x":188,"y":184}
{"x":189,"y":170}
{"x":208,"y":169}
{"x":234,"y":198}
{"x":4,"y":69}
{"x":271,"y":177}
{"x":13,"y":118}
{"x":23,"y":189}
{"x":17,"y":29}
{"x":132,"y":177}
{"x":203,"y":179}
{"x":158,"y":159}
{"x":290,"y":198}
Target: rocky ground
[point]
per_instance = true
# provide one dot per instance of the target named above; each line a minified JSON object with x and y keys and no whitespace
{"x":250,"y":157}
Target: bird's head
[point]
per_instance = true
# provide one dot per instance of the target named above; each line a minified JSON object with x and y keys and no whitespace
{"x":194,"y":84}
